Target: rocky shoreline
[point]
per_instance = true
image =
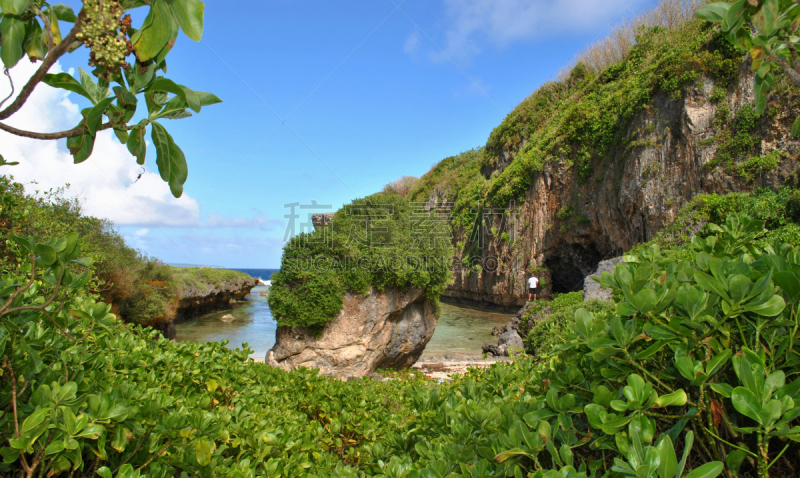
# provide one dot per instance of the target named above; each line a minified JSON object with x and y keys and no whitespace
{"x":199,"y":297}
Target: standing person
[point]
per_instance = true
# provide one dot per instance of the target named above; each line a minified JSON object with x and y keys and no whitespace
{"x":533,"y":288}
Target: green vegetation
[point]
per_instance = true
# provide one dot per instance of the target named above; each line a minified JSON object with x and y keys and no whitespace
{"x":205,"y":276}
{"x":547,"y":334}
{"x":31,"y":29}
{"x":142,"y":290}
{"x":375,"y":242}
{"x":780,"y":211}
{"x":767,"y":30}
{"x":695,"y":359}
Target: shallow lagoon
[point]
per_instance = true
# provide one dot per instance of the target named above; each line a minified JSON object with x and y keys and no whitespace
{"x":460,"y":330}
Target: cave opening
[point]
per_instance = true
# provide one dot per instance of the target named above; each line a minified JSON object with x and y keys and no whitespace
{"x":570,"y":264}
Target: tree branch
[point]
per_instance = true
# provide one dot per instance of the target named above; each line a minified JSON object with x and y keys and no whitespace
{"x":60,"y":135}
{"x":19,"y":291}
{"x":49,"y":61}
{"x":790,"y":72}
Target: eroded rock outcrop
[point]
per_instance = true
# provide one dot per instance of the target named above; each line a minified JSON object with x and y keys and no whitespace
{"x":201,"y":298}
{"x":385,"y":329}
{"x":591,"y":288}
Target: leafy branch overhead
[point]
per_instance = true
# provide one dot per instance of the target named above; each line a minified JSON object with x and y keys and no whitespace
{"x":128,"y":66}
{"x":767,"y":30}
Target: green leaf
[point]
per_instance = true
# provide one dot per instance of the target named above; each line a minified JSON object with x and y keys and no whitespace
{"x":120,"y":440}
{"x":651,"y":350}
{"x":34,"y":45}
{"x":13,"y":7}
{"x":94,"y":117}
{"x":207,"y":98}
{"x":188,"y":95}
{"x":35,"y":419}
{"x":677,"y":398}
{"x":796,"y":127}
{"x":668,"y":463}
{"x":137,"y":145}
{"x":713,"y":12}
{"x":80,"y":147}
{"x":710,"y":284}
{"x":12,"y":31}
{"x":735,"y":17}
{"x":45,"y":255}
{"x":65,"y":81}
{"x":770,"y":308}
{"x":709,"y":470}
{"x":746,"y":403}
{"x":734,"y":460}
{"x":189,"y":14}
{"x":156,"y":31}
{"x":3,"y":162}
{"x":170,"y":159}
{"x":64,"y":13}
{"x":202,"y":449}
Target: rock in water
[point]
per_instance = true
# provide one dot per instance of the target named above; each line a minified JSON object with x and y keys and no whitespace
{"x":386,"y":329}
{"x":506,"y":342}
{"x":591,"y":288}
{"x":227,"y":318}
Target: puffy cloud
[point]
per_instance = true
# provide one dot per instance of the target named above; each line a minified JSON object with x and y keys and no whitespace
{"x":474,"y":23}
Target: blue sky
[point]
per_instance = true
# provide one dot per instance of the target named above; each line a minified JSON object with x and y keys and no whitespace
{"x":323,"y":100}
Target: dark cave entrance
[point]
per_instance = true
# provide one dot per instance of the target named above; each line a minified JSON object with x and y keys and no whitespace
{"x":569,"y":264}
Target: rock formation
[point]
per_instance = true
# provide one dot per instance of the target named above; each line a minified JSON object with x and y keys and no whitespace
{"x":507,"y":342}
{"x":563,"y":229}
{"x":591,"y":288}
{"x":385,"y":329}
{"x":201,"y":298}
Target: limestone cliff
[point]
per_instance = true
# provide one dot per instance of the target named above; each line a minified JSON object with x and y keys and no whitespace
{"x":384,"y":329}
{"x":565,"y":227}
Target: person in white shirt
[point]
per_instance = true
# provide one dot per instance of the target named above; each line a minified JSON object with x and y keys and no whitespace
{"x":533,"y":288}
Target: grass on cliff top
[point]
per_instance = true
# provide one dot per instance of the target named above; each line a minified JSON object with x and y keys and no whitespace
{"x":200,"y":276}
{"x":377,"y":242}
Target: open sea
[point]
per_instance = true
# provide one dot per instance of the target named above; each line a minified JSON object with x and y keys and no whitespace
{"x":460,"y":330}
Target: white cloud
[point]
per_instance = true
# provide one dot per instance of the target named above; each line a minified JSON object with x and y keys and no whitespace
{"x":412,"y":44}
{"x":472,"y":24}
{"x":108,"y":184}
{"x":141,"y":232}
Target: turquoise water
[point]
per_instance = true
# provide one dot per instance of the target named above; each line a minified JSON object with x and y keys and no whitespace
{"x":460,"y":330}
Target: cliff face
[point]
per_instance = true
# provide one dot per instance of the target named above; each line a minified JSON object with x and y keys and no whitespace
{"x":563,"y":229}
{"x":384,"y":329}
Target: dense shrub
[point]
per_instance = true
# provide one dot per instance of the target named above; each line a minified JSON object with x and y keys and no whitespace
{"x":142,"y":290}
{"x":548,"y":333}
{"x":697,"y":359}
{"x":377,"y":242}
{"x":780,"y":211}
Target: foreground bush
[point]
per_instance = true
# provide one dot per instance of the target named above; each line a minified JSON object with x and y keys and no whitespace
{"x":551,"y":331}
